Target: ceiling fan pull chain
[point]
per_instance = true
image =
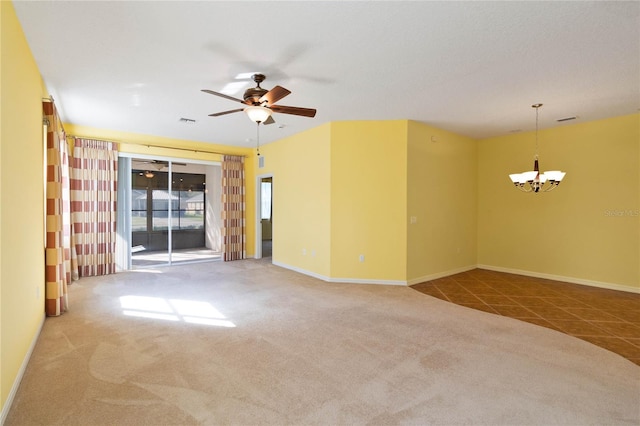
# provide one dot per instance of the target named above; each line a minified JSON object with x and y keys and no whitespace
{"x":258,"y":137}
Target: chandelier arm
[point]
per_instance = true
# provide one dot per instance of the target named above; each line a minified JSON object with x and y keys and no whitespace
{"x":525,"y":187}
{"x":552,"y":186}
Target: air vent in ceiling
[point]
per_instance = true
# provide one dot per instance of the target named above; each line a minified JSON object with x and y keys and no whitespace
{"x":187,"y":120}
{"x":560,"y":120}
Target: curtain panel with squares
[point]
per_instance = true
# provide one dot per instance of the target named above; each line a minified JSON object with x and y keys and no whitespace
{"x":60,"y":259}
{"x":94,"y":182}
{"x":233,"y":208}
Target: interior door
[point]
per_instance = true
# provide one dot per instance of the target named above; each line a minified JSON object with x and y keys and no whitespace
{"x":266,"y":215}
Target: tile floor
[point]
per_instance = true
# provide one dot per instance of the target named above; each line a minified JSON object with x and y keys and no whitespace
{"x":607,"y":318}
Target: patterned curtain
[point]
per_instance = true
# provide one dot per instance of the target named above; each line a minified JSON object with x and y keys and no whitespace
{"x":233,"y":208}
{"x":60,"y":262}
{"x":94,"y":183}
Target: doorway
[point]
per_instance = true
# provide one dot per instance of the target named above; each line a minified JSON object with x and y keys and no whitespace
{"x":264,"y":236}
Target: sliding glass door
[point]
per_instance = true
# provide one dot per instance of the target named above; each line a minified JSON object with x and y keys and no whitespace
{"x":172,"y":212}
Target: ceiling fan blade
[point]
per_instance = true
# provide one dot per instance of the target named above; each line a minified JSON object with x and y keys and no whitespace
{"x":269,"y":120}
{"x":222,"y":95}
{"x":305,"y":112}
{"x":274,"y":95}
{"x":217,"y":114}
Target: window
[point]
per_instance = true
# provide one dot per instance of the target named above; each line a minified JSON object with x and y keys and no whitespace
{"x":138,"y":210}
{"x":189,"y":211}
{"x":160,"y":199}
{"x":265,"y":188}
{"x":150,"y":201}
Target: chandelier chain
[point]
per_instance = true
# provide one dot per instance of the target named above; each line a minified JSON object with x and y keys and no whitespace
{"x":537,"y":107}
{"x":536,"y":132}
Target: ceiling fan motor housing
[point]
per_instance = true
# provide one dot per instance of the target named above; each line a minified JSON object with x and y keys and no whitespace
{"x":252,"y":95}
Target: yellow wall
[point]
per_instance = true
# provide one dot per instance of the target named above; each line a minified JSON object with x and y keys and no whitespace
{"x":442,"y":199}
{"x":369,"y":200}
{"x":300,"y":166}
{"x":22,"y":206}
{"x":588,"y":228}
{"x":348,"y":189}
{"x":136,"y":143}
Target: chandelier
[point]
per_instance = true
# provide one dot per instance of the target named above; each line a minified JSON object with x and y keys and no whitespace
{"x":534,"y":181}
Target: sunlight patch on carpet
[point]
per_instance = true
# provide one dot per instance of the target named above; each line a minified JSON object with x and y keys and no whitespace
{"x":188,"y":311}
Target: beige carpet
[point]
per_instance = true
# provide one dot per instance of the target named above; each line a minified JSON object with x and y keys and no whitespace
{"x":249,"y":343}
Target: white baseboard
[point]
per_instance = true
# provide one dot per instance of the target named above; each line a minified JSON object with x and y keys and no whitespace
{"x":339,"y":280}
{"x":365,"y":281}
{"x":299,"y":270}
{"x":440,"y":275}
{"x":381,"y":282}
{"x":16,"y":383}
{"x":430,"y":277}
{"x":610,"y":286}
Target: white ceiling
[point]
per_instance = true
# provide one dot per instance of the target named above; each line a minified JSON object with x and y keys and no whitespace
{"x":473,"y":68}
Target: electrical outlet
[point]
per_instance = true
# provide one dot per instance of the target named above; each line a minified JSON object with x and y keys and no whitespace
{"x":304,"y":252}
{"x":362,"y":258}
{"x":37,"y":292}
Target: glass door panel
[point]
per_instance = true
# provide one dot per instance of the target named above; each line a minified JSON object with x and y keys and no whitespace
{"x":150,"y":204}
{"x":188,"y":219}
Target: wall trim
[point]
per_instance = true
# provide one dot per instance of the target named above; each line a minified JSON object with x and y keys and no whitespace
{"x":339,"y":280}
{"x":581,"y":281}
{"x":16,"y":383}
{"x":441,"y":274}
{"x":430,"y":277}
{"x":365,"y":281}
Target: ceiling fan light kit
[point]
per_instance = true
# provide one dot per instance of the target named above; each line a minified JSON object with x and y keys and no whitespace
{"x":534,"y":181}
{"x":258,"y":114}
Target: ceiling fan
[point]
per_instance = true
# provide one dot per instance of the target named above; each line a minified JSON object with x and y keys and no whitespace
{"x":260,"y":103}
{"x":157,"y":164}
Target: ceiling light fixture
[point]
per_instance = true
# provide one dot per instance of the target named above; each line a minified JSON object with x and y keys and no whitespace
{"x":534,"y":181}
{"x":257,"y":113}
{"x":148,"y":174}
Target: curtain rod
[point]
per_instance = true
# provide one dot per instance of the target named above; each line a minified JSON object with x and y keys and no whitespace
{"x":166,"y":147}
{"x":189,"y":150}
{"x":45,"y":121}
